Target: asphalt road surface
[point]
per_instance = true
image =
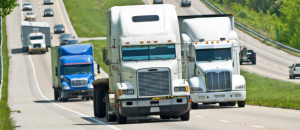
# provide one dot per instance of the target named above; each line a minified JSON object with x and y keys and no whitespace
{"x":30,"y":89}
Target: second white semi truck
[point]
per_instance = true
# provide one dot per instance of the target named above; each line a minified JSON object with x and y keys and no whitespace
{"x":143,"y":55}
{"x":212,"y":46}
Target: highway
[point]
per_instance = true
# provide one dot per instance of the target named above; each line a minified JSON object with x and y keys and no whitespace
{"x":30,"y":89}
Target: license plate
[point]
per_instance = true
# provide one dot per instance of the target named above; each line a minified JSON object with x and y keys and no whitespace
{"x":154,"y":109}
{"x":79,"y":96}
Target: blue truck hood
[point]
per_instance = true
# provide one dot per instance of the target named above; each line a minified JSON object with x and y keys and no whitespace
{"x":82,"y":49}
{"x":78,"y":76}
{"x":77,"y":60}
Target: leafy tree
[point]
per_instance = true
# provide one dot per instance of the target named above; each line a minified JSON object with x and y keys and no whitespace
{"x":7,"y":6}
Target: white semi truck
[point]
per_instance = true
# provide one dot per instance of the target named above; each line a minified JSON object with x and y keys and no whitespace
{"x":212,"y":47}
{"x":143,"y":55}
{"x":35,"y":36}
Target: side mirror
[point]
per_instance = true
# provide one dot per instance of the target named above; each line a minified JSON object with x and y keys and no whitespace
{"x":56,"y":70}
{"x":98,"y":68}
{"x":105,"y":55}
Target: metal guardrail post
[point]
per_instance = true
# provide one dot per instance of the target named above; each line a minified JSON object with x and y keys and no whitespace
{"x":255,"y":33}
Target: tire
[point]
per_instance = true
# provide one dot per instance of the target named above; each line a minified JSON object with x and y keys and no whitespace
{"x":293,"y":77}
{"x":94,"y":104}
{"x":185,"y":116}
{"x":109,"y":118}
{"x":223,"y":104}
{"x":205,"y":103}
{"x":290,"y":77}
{"x":56,"y":94}
{"x":87,"y":98}
{"x":194,"y":105}
{"x":165,"y":116}
{"x":254,"y":63}
{"x":100,"y":104}
{"x":241,"y":103}
{"x":241,"y":63}
{"x":232,"y":103}
{"x":65,"y":99}
{"x":120,"y":119}
{"x":174,"y":117}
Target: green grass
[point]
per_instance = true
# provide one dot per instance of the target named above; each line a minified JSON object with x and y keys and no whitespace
{"x":88,"y":17}
{"x":6,"y":122}
{"x":98,"y":57}
{"x":263,"y":91}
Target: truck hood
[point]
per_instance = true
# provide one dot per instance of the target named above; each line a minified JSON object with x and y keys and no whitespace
{"x":150,"y":64}
{"x":78,"y":76}
{"x":207,"y":66}
{"x":36,"y":41}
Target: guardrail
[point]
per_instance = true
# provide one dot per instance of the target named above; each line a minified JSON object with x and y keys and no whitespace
{"x":255,"y":33}
{"x":1,"y":64}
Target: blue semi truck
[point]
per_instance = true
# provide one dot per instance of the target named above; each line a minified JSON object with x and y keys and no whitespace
{"x":73,"y":71}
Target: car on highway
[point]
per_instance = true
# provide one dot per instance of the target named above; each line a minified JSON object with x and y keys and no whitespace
{"x":30,"y":16}
{"x":251,"y":57}
{"x":27,"y":6}
{"x":59,"y":28}
{"x":72,"y":42}
{"x":65,"y":37}
{"x":48,"y":12}
{"x":186,"y":3}
{"x":48,"y":1}
{"x":294,"y":70}
{"x":158,"y":2}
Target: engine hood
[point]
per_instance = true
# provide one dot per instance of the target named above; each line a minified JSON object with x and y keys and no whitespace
{"x":207,"y":66}
{"x":78,"y":76}
{"x":150,"y":64}
{"x":36,"y":41}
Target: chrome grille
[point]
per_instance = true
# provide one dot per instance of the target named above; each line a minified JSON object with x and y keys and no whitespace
{"x":79,"y":83}
{"x":36,"y":45}
{"x":218,"y":81}
{"x":154,"y":83}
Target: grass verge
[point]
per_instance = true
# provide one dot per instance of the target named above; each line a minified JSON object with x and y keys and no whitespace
{"x":263,"y":91}
{"x":6,"y":122}
{"x":98,"y":57}
{"x":88,"y":17}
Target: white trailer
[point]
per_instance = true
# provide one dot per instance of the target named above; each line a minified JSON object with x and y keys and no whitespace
{"x":212,"y":46}
{"x":144,"y":58}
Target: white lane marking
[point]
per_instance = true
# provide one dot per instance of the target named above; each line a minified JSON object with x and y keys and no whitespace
{"x":286,"y":69}
{"x":224,"y":121}
{"x":266,"y":52}
{"x":38,"y":2}
{"x":21,"y":10}
{"x":266,"y":62}
{"x":40,"y":10}
{"x":39,"y":6}
{"x":199,"y":116}
{"x":275,"y":66}
{"x":42,"y":18}
{"x":256,"y":126}
{"x":195,"y":10}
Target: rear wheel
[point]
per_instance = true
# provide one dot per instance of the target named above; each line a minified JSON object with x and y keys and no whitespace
{"x":100,"y":104}
{"x":94,"y":104}
{"x":56,"y":94}
{"x":185,"y":116}
{"x":232,"y":103}
{"x":290,"y":77}
{"x":194,"y":105}
{"x":254,"y":63}
{"x":222,"y":104}
{"x":241,"y":103}
{"x":241,"y":62}
{"x":293,"y":77}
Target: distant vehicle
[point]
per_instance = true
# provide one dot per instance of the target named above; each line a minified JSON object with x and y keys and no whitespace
{"x":30,"y":16}
{"x":158,"y":2}
{"x":48,"y":12}
{"x":294,"y":70}
{"x":27,"y":6}
{"x":186,"y":3}
{"x":48,"y":1}
{"x":64,"y":38}
{"x":59,"y":28}
{"x":251,"y":57}
{"x":72,"y":42}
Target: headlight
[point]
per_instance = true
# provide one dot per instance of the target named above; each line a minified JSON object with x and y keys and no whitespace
{"x":196,"y":89}
{"x":184,"y":88}
{"x":54,"y":29}
{"x":91,"y":86}
{"x":240,"y":87}
{"x":66,"y":88}
{"x":63,"y":29}
{"x":129,"y":92}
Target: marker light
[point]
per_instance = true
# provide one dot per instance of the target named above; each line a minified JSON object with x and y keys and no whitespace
{"x":169,"y":40}
{"x":206,"y":42}
{"x":120,"y":92}
{"x":212,"y":42}
{"x":148,"y":41}
{"x":108,"y":90}
{"x":217,"y":41}
{"x":155,"y":41}
{"x":127,"y":42}
{"x":187,"y":88}
{"x":232,"y":14}
{"x":141,"y":42}
{"x":228,"y":41}
{"x":190,"y":100}
{"x":196,"y":43}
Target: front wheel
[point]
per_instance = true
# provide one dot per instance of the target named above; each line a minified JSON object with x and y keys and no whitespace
{"x":94,"y":104}
{"x":241,"y":103}
{"x":194,"y":105}
{"x":56,"y":94}
{"x":185,"y":116}
{"x":100,"y":104}
{"x":121,"y":119}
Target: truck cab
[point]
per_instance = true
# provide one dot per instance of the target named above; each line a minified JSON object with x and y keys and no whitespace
{"x":73,"y":71}
{"x":36,"y":42}
{"x":214,"y":70}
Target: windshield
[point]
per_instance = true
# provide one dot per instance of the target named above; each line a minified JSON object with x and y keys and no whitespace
{"x":49,"y":10}
{"x":30,"y":13}
{"x":77,"y":69}
{"x":27,"y":4}
{"x":73,"y":42}
{"x":213,"y":54}
{"x":59,"y":26}
{"x":150,"y":52}
{"x":36,"y":37}
{"x":66,"y":36}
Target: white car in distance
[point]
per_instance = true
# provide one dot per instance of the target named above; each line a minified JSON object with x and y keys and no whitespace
{"x":294,"y":70}
{"x":27,"y":6}
{"x":30,"y":16}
